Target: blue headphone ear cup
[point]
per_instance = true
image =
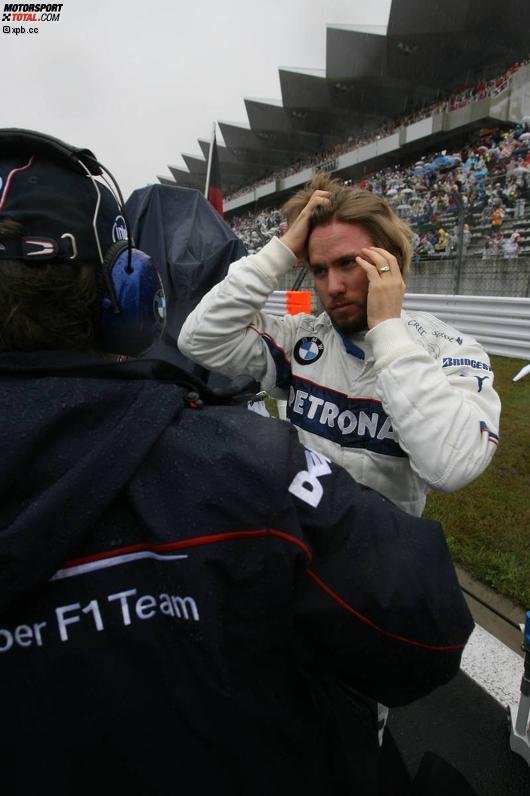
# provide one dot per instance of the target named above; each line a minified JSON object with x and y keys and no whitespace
{"x":136,"y":291}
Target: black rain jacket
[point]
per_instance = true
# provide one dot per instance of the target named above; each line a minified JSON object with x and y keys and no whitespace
{"x":190,"y":601}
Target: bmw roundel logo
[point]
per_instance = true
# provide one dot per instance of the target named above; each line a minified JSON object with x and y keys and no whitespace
{"x":159,"y":306}
{"x":308,"y":350}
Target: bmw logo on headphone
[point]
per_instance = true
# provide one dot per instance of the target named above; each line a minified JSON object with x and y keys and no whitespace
{"x":308,"y":350}
{"x":159,"y":306}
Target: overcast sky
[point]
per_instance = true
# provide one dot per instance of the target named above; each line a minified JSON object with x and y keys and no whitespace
{"x":139,"y":82}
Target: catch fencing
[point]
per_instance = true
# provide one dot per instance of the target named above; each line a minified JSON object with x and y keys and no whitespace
{"x":446,"y":276}
{"x":474,"y":276}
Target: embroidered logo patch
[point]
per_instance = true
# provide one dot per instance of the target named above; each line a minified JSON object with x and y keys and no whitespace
{"x":308,"y":350}
{"x":43,"y":248}
{"x":159,"y":306}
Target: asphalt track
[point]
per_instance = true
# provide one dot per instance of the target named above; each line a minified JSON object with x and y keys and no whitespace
{"x":466,"y":722}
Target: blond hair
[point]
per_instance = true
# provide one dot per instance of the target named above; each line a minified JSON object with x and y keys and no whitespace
{"x":354,"y":206}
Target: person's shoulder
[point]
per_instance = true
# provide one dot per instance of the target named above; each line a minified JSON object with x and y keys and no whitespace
{"x":434,"y":333}
{"x":234,"y":432}
{"x":309,"y":324}
{"x":445,"y":343}
{"x":224,"y":463}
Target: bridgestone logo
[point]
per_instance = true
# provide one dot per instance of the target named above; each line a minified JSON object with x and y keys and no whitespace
{"x":25,"y":7}
{"x":455,"y":362}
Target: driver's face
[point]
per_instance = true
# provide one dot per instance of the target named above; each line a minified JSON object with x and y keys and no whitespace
{"x":341,"y":284}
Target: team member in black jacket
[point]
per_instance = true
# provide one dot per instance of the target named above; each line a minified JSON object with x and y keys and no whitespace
{"x":190,"y":601}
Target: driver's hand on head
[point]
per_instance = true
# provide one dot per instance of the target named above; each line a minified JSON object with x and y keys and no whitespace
{"x":296,"y":236}
{"x":386,"y":287}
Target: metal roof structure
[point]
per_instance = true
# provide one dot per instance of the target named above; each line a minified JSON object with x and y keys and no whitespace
{"x":373,"y":75}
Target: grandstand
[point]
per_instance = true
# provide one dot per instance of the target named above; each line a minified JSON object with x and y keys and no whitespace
{"x":447,"y":150}
{"x":376,"y":80}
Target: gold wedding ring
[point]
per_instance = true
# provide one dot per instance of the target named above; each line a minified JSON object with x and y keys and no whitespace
{"x":384,"y":269}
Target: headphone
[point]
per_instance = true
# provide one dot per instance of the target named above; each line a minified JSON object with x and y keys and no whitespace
{"x":133,"y":304}
{"x":132,"y":301}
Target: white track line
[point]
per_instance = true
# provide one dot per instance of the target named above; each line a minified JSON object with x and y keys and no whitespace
{"x":494,"y":666}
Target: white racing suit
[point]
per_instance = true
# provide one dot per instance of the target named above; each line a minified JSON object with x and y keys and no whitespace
{"x":406,"y":408}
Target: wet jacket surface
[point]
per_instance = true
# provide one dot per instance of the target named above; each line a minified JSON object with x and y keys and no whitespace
{"x":190,"y":601}
{"x":406,"y":408}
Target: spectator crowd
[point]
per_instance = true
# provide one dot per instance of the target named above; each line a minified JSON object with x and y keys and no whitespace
{"x":455,"y":100}
{"x":484,"y":184}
